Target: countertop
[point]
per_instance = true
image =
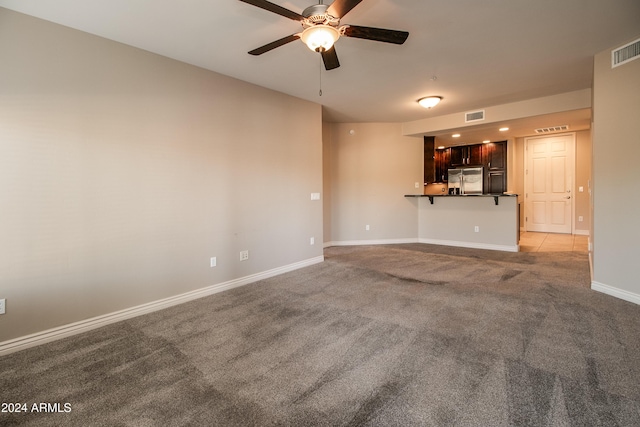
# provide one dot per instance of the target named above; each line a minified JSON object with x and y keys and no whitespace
{"x":431,"y":196}
{"x":462,"y":195}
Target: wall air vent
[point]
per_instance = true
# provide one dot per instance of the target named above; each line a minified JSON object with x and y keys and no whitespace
{"x":474,"y":116}
{"x":552,"y":129}
{"x":626,"y":53}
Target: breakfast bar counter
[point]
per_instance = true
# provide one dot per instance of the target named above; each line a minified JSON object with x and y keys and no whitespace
{"x":485,"y":221}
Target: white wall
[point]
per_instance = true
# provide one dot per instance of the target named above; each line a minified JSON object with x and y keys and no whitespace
{"x":616,"y":151}
{"x":123,"y":172}
{"x":370,"y":172}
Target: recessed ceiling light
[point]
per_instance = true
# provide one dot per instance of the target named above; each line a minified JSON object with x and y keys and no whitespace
{"x":455,"y":135}
{"x":503,"y":129}
{"x":486,"y":141}
{"x":429,"y":101}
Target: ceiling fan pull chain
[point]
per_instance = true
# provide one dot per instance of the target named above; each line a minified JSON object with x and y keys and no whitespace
{"x":320,"y":91}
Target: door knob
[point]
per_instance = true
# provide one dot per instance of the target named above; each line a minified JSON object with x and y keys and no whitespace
{"x":567,"y":197}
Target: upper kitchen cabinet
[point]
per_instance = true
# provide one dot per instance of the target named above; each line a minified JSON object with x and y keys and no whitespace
{"x":495,"y":162}
{"x":466,"y":155}
{"x":429,"y":160}
{"x":492,"y":157}
{"x":495,"y":155}
{"x":443,"y":163}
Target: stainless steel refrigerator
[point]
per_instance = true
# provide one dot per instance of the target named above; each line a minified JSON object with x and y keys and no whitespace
{"x":465,"y":181}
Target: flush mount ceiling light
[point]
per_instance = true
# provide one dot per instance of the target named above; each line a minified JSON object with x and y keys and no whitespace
{"x":486,"y":141}
{"x":503,"y":129}
{"x":429,"y":101}
{"x":320,"y":38}
{"x":455,"y":135}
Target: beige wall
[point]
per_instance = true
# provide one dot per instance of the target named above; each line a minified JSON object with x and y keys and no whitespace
{"x":326,"y":181}
{"x":123,"y":172}
{"x":452,"y":221}
{"x":616,"y":150}
{"x":582,"y":175}
{"x":583,"y":179}
{"x":370,"y":172}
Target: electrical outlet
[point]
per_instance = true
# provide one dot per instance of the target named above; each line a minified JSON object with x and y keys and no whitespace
{"x":417,"y":184}
{"x":3,"y":304}
{"x":476,"y":229}
{"x":213,"y":262}
{"x":580,"y":218}
{"x":244,"y":255}
{"x":366,"y":227}
{"x":312,"y":241}
{"x":315,"y":196}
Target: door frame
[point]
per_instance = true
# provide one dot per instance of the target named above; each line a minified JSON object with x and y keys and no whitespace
{"x":527,"y":206}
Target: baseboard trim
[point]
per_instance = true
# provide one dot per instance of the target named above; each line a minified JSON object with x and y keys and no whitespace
{"x":504,"y":248}
{"x":370,"y":242}
{"x":581,"y":232}
{"x":21,"y":343}
{"x":616,"y":292}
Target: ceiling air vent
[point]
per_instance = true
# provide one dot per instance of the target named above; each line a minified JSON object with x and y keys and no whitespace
{"x":626,"y":53}
{"x":474,"y":116}
{"x":552,"y":129}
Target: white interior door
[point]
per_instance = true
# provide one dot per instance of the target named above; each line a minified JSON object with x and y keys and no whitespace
{"x":550,"y":164}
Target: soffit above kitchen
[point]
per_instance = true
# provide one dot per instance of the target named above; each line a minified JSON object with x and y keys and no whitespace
{"x":567,"y":112}
{"x":473,"y":54}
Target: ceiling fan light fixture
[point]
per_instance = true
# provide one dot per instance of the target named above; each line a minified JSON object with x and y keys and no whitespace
{"x":320,"y":38}
{"x":429,"y":101}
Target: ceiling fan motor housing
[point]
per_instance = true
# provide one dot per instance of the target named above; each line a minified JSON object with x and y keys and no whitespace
{"x":317,"y":15}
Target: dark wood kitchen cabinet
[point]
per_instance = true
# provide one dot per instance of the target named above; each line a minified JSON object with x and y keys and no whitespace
{"x":466,"y":155}
{"x":495,"y":182}
{"x":492,"y":157}
{"x":495,"y":167}
{"x":495,"y":155}
{"x":429,"y":160}
{"x":456,"y":156}
{"x":442,"y":164}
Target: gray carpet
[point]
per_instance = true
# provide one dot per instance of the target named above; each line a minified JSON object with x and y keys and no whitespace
{"x":398,"y":335}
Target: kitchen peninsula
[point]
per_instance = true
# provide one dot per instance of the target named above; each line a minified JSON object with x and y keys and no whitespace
{"x":465,"y":201}
{"x":484,"y":221}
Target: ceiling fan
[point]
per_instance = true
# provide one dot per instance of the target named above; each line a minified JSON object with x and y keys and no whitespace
{"x":321,"y":29}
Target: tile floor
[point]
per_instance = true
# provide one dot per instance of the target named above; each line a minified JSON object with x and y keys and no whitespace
{"x":552,"y":242}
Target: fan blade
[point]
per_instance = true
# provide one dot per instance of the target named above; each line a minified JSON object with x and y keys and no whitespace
{"x":275,"y":44}
{"x":377,"y":34}
{"x":339,"y":8}
{"x":330,"y":59}
{"x":266,"y":5}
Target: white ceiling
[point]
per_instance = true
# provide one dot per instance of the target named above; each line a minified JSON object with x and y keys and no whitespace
{"x":473,"y":53}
